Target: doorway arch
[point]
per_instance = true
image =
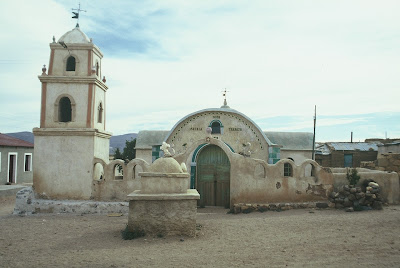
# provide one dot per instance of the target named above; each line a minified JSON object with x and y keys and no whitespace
{"x":213,"y":177}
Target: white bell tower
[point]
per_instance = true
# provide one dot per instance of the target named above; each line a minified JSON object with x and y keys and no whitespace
{"x":72,"y":119}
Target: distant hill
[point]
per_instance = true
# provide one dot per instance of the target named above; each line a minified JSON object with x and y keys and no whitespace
{"x":119,"y":141}
{"x":115,"y":141}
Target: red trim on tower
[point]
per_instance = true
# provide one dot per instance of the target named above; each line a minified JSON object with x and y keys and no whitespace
{"x":89,"y":108}
{"x":43,"y":105}
{"x":94,"y":105}
{"x":104,"y":109}
{"x":90,"y":62}
{"x":51,"y":62}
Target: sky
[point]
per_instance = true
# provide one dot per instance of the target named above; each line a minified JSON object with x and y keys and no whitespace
{"x":166,"y":59}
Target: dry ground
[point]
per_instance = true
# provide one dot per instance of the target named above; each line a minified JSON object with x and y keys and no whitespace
{"x":295,"y":238}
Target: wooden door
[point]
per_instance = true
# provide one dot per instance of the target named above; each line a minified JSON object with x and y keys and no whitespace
{"x":213,"y":176}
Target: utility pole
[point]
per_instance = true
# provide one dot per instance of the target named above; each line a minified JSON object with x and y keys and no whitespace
{"x":313,"y":143}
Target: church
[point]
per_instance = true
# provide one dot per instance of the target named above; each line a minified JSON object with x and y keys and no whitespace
{"x":229,"y":158}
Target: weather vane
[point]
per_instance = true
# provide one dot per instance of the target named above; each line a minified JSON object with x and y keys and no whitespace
{"x":76,"y":14}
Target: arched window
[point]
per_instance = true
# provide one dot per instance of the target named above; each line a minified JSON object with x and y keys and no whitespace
{"x":216,"y":127}
{"x":100,"y":113}
{"x":71,"y":63}
{"x":64,"y":110}
{"x":287,"y":170}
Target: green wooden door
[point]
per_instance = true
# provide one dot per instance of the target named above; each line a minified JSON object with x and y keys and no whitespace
{"x":213,"y":175}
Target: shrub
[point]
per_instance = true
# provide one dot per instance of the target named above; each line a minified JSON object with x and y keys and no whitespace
{"x":352,"y":176}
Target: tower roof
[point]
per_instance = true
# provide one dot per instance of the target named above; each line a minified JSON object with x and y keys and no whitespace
{"x":74,"y":36}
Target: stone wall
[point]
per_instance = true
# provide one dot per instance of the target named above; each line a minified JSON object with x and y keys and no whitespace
{"x":388,"y":182}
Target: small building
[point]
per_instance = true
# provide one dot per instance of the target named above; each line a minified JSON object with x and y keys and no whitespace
{"x":391,"y":148}
{"x":15,"y":160}
{"x":345,"y":154}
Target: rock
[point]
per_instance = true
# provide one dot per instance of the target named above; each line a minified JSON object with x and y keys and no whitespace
{"x":373,"y":184}
{"x":311,"y":205}
{"x":347,"y":203}
{"x":350,"y":209}
{"x":351,"y":197}
{"x":368,"y":196}
{"x":236,"y":209}
{"x":272,"y":207}
{"x":360,"y":195}
{"x":339,"y":200}
{"x":339,"y":206}
{"x":369,"y":188}
{"x":321,"y":205}
{"x":375,"y":191}
{"x":377,"y":205}
{"x":358,"y":189}
{"x":353,"y":190}
{"x":346,"y":188}
{"x":362,"y":201}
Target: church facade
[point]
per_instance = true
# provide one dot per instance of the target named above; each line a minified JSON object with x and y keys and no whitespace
{"x":229,"y":158}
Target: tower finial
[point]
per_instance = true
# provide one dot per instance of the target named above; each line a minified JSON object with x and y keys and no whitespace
{"x":225,"y":102}
{"x":76,"y":14}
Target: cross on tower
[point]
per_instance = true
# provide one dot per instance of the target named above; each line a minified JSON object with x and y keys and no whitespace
{"x":76,"y":14}
{"x":224,"y":95}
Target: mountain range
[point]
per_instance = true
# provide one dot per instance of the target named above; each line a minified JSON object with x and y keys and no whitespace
{"x":117,"y":141}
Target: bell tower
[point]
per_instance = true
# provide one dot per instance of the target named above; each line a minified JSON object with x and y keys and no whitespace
{"x":72,"y":119}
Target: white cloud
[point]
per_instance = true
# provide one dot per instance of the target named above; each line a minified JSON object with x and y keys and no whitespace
{"x":276,"y":58}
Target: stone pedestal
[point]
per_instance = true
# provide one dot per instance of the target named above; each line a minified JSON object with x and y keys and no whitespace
{"x":163,"y":214}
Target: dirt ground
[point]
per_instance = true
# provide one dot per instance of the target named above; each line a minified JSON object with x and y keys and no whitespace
{"x":295,"y":238}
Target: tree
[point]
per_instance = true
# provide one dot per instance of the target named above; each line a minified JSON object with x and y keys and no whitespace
{"x":117,"y":154}
{"x":129,"y":151}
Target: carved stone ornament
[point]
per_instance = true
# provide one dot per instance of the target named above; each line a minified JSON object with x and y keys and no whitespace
{"x":44,"y":69}
{"x":167,"y":149}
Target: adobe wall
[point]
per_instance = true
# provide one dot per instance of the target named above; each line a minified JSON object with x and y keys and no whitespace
{"x":385,"y":162}
{"x":251,"y":180}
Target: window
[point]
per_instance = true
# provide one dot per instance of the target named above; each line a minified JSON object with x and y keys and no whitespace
{"x":287,"y":170}
{"x":216,"y":127}
{"x":64,"y":110}
{"x":71,"y":63}
{"x":156,"y":153}
{"x":28,"y":162}
{"x":100,"y":113}
{"x":12,"y":168}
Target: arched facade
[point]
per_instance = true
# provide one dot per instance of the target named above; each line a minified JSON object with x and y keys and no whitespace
{"x":228,"y":125}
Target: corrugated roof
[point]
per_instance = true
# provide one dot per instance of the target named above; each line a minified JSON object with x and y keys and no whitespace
{"x":291,"y":140}
{"x":147,"y":138}
{"x":353,"y":146}
{"x":9,"y":141}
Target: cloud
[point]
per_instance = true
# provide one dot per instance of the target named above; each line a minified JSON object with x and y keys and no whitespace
{"x":277,"y":59}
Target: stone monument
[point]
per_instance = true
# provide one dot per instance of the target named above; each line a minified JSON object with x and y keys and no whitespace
{"x":165,"y":205}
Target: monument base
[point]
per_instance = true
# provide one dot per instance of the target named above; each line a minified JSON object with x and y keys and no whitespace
{"x":163,"y":214}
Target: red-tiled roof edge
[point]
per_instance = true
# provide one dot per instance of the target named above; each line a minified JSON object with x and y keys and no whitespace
{"x":9,"y":141}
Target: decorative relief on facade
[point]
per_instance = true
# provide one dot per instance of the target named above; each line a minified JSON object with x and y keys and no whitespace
{"x":238,"y":130}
